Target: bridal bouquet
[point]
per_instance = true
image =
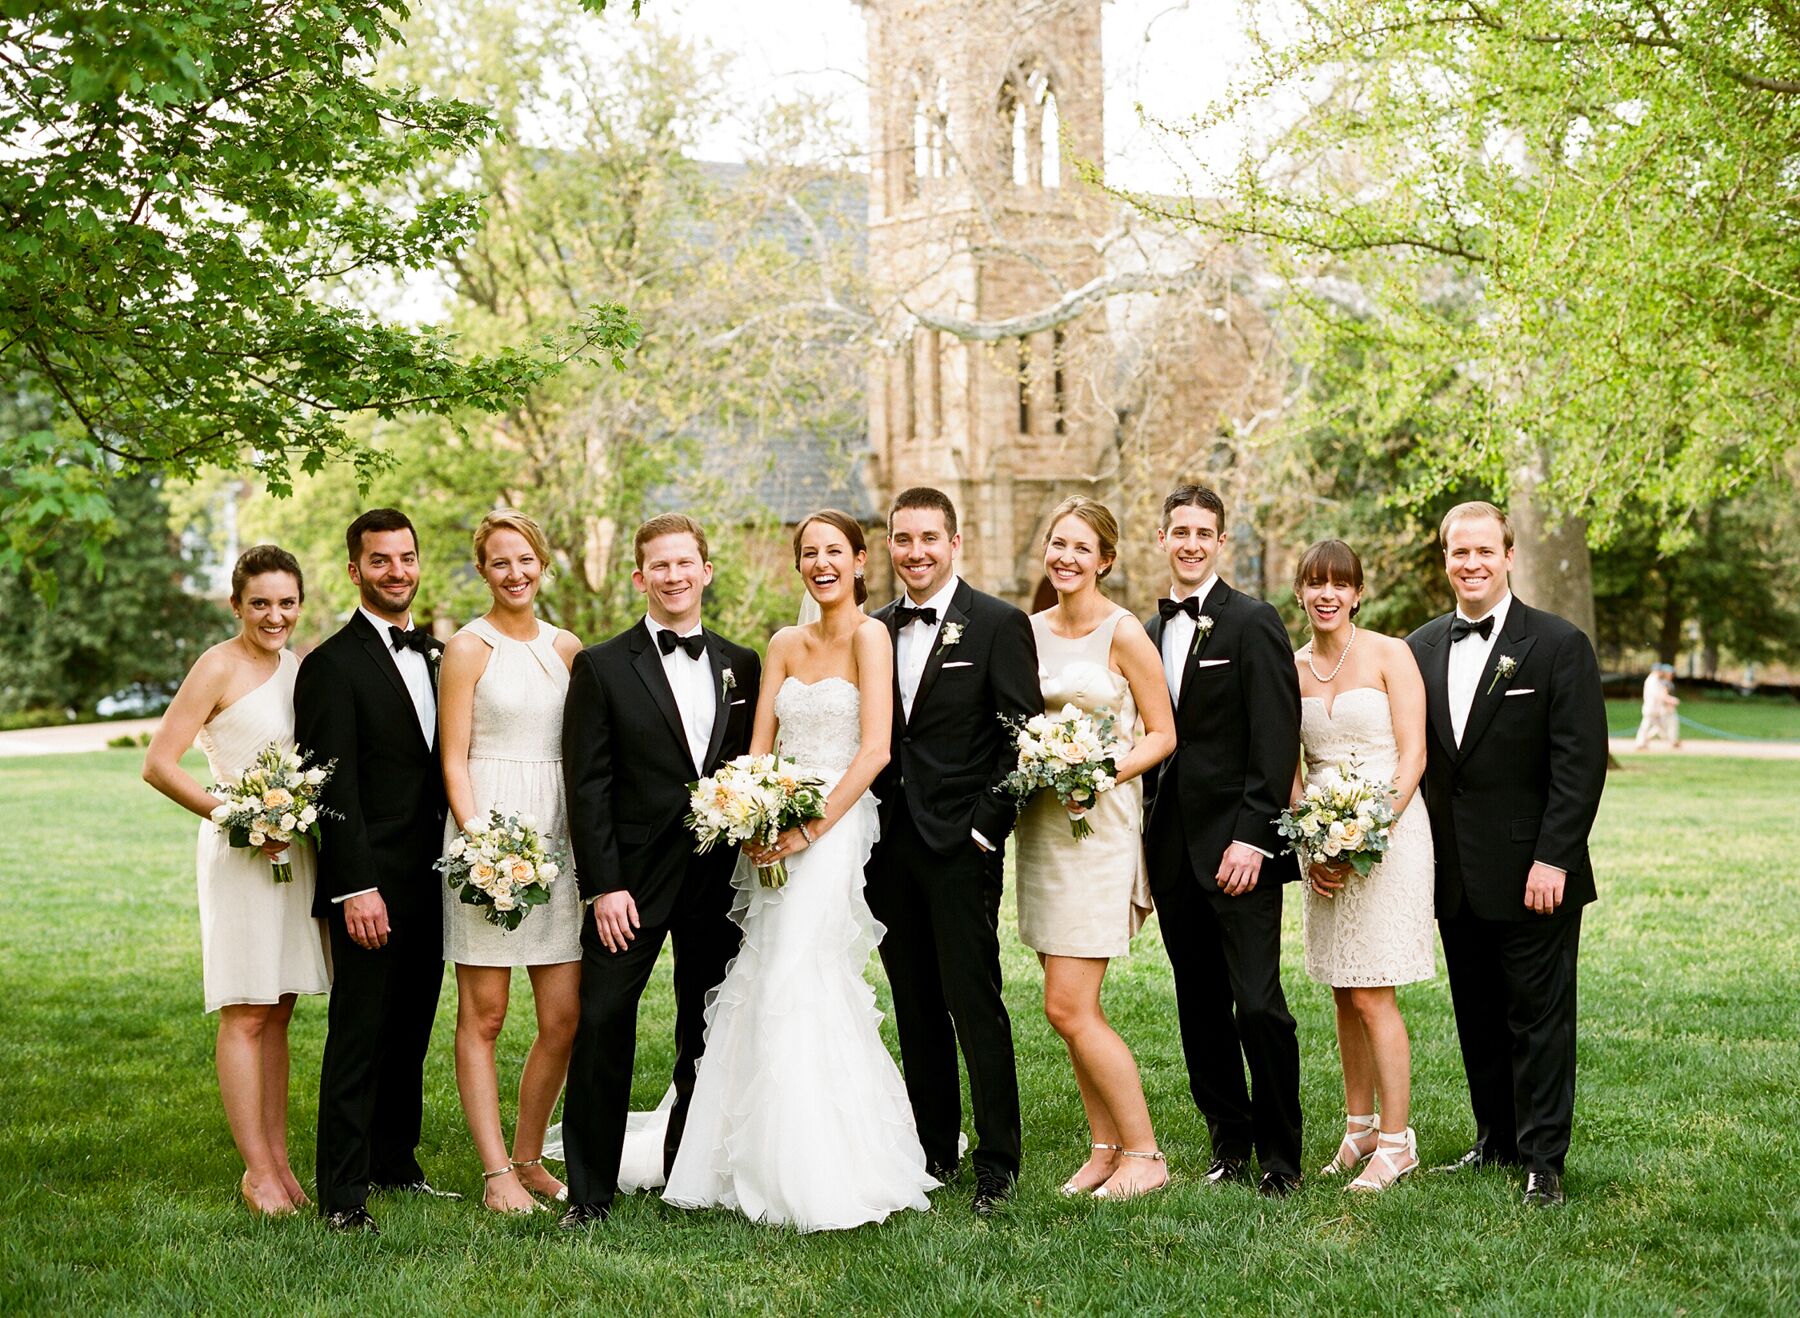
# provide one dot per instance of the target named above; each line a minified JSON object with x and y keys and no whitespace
{"x":752,"y":799}
{"x":502,"y":863}
{"x":1072,"y":753}
{"x":1347,"y":821}
{"x":276,"y":799}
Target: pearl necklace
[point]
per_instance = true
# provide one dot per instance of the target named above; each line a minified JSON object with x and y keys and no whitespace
{"x":1325,"y":678}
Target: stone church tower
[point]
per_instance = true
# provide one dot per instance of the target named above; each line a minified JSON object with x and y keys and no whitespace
{"x":978,"y":110}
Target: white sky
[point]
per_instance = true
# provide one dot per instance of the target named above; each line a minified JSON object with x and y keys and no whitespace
{"x":1174,"y":56}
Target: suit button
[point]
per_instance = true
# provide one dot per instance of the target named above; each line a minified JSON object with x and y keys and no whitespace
{"x":906,"y":740}
{"x":1457,"y":793}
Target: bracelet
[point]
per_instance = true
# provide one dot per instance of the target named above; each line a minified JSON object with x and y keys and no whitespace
{"x":806,"y":833}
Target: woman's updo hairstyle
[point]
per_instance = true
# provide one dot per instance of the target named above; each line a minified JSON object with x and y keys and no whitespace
{"x":505,"y":519}
{"x":1330,"y":562}
{"x":258,"y":559}
{"x":847,"y":526}
{"x":1099,"y":519}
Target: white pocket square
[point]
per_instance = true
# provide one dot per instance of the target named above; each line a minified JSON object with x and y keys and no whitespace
{"x":1210,"y":663}
{"x":737,"y":702}
{"x":1521,"y":691}
{"x":961,"y":663}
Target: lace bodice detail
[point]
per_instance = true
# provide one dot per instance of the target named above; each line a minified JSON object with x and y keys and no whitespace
{"x":519,"y":698}
{"x":1359,"y":728}
{"x":821,"y":723}
{"x":1078,"y":672}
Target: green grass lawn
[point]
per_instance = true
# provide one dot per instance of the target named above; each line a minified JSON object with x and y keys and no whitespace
{"x":1759,"y":717}
{"x":118,"y":1177}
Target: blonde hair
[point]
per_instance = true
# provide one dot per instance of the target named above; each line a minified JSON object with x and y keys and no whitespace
{"x":1098,"y":517}
{"x":1474,"y":508}
{"x":505,"y":519}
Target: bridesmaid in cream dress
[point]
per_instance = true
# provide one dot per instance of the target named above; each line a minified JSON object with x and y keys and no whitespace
{"x":1081,"y":901}
{"x":1363,"y":705}
{"x":500,"y":706}
{"x":259,"y":945}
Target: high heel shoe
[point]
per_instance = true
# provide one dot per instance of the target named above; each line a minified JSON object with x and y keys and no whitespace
{"x":1351,"y":1151}
{"x":561,"y":1196}
{"x":1072,"y":1187}
{"x":1384,"y":1167}
{"x":536,"y":1207}
{"x":1154,"y":1156}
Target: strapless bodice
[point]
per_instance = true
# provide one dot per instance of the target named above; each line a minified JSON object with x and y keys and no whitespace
{"x":821,"y":723}
{"x":1359,"y":728}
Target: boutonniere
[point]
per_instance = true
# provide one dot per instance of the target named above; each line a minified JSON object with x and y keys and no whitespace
{"x":951,"y":634}
{"x":1203,"y":626}
{"x":435,"y":655}
{"x":728,"y":679}
{"x":1505,"y":667}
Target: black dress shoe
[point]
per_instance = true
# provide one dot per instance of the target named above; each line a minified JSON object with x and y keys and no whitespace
{"x":1475,"y":1159}
{"x":1228,"y":1171}
{"x":421,"y":1187}
{"x":352,"y":1219}
{"x":1277,"y":1185}
{"x":581,"y":1216}
{"x":1543,"y":1190}
{"x":992,"y":1190}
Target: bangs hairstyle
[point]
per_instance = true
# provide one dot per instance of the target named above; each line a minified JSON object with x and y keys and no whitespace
{"x":1329,"y":562}
{"x":845,"y":525}
{"x":667,"y":524}
{"x":1474,"y":508}
{"x":258,"y":559}
{"x":505,"y":519}
{"x":1100,"y":521}
{"x":924,"y":496}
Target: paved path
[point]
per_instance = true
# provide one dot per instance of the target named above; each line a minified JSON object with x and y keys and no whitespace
{"x":69,"y":737}
{"x":1626,"y":749}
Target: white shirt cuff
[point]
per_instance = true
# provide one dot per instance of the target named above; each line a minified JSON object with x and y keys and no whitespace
{"x":1266,"y":855}
{"x":339,"y":901}
{"x":980,"y":841}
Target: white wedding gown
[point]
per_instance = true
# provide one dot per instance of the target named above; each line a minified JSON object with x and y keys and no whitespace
{"x":799,"y":1115}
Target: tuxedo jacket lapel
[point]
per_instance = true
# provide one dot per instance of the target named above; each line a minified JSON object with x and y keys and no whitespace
{"x":381,"y":652}
{"x":721,"y":702}
{"x":1515,"y":644}
{"x":1436,"y":672}
{"x":648,"y":662}
{"x":1216,"y":600}
{"x":955,"y":615}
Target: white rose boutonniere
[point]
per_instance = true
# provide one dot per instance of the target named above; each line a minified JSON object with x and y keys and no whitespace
{"x":728,"y":679}
{"x":951,"y":634}
{"x":1506,"y":666}
{"x":1203,"y":626}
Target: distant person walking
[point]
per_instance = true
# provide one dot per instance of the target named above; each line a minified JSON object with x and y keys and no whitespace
{"x":1660,"y":718}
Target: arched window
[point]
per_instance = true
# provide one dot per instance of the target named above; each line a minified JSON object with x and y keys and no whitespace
{"x":928,"y":149}
{"x":1030,"y":127}
{"x":1050,"y":141}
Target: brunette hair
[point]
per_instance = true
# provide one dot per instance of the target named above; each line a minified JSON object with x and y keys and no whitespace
{"x":1333,"y":562}
{"x":505,"y":519}
{"x":924,"y":496}
{"x":1193,"y":496}
{"x":667,"y":524}
{"x":1473,"y":508}
{"x":846,"y":525}
{"x":258,"y":559}
{"x":377,"y":519}
{"x":1098,"y":516}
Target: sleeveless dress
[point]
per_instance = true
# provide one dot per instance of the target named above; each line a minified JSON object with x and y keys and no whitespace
{"x":258,"y":938}
{"x":515,"y":763}
{"x":1377,"y":930}
{"x":1083,"y":898}
{"x":799,"y":1115}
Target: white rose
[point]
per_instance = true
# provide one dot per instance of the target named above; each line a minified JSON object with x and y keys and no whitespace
{"x":456,"y":848}
{"x":221,"y":812}
{"x":1352,"y":836}
{"x":528,"y":821}
{"x":315,"y":776}
{"x":504,"y":901}
{"x":257,"y":839}
{"x":289,"y":822}
{"x":308,"y":815}
{"x":1070,"y":753}
{"x":548,"y":871}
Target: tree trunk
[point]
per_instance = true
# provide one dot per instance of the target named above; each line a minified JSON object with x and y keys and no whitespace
{"x":1552,"y":570}
{"x":1668,"y":641}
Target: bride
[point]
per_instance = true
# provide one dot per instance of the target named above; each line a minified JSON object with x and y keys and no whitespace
{"x":799,"y":1115}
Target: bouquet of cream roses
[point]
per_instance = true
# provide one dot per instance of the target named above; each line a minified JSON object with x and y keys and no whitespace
{"x":275,"y":799}
{"x":1072,"y":753}
{"x":752,"y":799}
{"x":500,"y":862}
{"x":1346,"y":820}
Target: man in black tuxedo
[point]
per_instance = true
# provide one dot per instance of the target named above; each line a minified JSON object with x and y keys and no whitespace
{"x":367,"y":698}
{"x":649,"y":711}
{"x":962,"y":661}
{"x":1216,"y":862}
{"x":1515,"y":764}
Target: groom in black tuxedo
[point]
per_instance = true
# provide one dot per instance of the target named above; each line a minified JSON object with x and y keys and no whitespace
{"x":649,"y":711}
{"x":962,"y":661}
{"x":1515,"y":764}
{"x":1216,"y":861}
{"x":367,"y":698}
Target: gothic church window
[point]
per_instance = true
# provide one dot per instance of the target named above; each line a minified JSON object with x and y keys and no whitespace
{"x":1030,"y":128}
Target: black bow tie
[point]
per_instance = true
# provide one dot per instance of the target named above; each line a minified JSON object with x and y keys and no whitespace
{"x":695,"y":645}
{"x":1461,"y":627}
{"x":906,"y":613}
{"x":410,"y":638}
{"x":1189,"y":606}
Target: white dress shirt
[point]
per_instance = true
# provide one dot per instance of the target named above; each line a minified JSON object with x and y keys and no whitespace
{"x":415,"y":671}
{"x":692,"y":682}
{"x":1178,"y":638}
{"x":915,"y":642}
{"x":1469,"y":669}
